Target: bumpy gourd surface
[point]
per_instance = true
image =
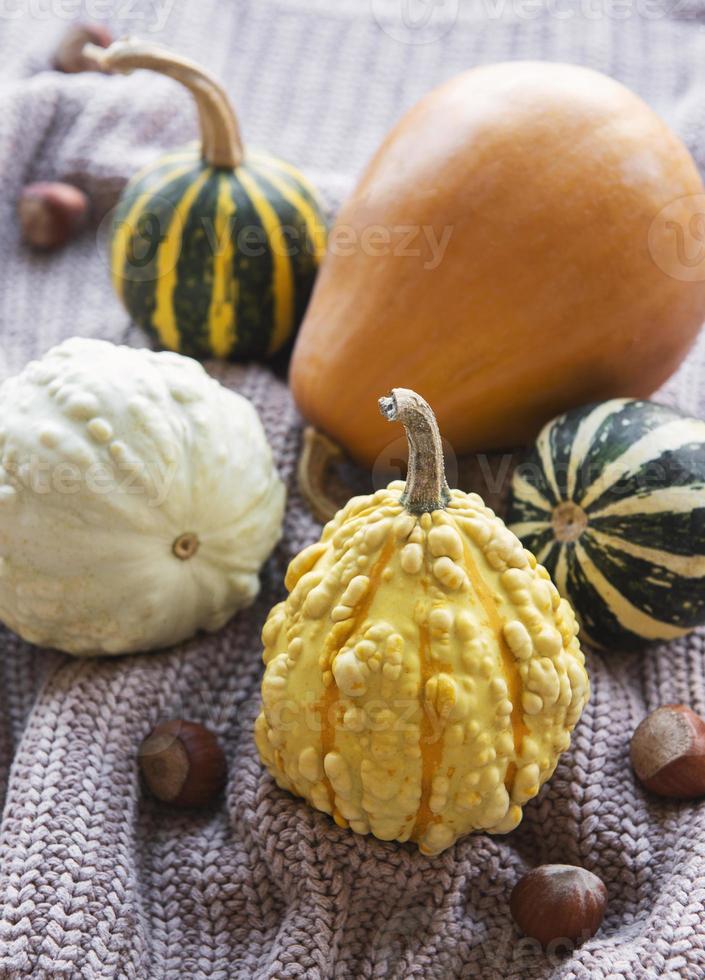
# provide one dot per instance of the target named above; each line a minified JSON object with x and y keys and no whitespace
{"x":108,"y":456}
{"x":423,"y":675}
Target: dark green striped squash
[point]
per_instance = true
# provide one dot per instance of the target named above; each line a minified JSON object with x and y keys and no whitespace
{"x":612,"y":501}
{"x":214,"y":248}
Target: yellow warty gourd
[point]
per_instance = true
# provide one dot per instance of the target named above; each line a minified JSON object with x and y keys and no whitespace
{"x":423,"y":675}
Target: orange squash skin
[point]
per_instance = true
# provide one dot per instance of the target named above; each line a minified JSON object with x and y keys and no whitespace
{"x":550,"y":178}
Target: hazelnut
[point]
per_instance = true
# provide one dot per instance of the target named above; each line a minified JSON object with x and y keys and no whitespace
{"x":668,"y":752}
{"x":559,"y":901}
{"x":182,"y":763}
{"x":51,"y":213}
{"x":69,"y":56}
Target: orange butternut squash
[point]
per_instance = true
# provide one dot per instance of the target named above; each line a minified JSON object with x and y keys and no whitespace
{"x":517,"y":246}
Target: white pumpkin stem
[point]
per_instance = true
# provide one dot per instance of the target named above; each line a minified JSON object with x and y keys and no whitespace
{"x":186,"y":545}
{"x":220,"y":132}
{"x":426,"y":488}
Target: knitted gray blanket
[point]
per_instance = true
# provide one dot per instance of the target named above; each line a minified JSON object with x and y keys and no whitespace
{"x":97,"y":881}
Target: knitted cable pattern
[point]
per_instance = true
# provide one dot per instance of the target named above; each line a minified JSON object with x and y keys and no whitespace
{"x":95,"y":880}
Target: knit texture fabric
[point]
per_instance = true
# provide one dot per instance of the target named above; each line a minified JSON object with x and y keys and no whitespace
{"x":96,"y":881}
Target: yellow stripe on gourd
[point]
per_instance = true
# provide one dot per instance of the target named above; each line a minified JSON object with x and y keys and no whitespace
{"x":560,"y":576}
{"x":585,"y":436}
{"x":314,"y":226}
{"x":672,"y":500}
{"x":166,"y":159}
{"x":687,"y":566}
{"x":259,"y":156}
{"x":628,"y":616}
{"x":164,"y":319}
{"x":222,"y":327}
{"x":128,"y":226}
{"x":526,"y":528}
{"x":282,"y":274}
{"x":543,"y":554}
{"x":543,"y":447}
{"x":667,"y":438}
{"x":529,"y":494}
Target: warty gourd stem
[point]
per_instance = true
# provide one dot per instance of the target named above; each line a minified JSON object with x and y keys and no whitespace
{"x":221,"y":143}
{"x":426,"y":488}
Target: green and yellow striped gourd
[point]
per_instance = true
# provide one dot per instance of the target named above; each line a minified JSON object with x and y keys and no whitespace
{"x":612,"y":501}
{"x":214,"y":249}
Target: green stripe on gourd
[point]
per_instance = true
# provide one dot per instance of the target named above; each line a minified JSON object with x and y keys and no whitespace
{"x":137,"y":239}
{"x":253,"y":270}
{"x":214,"y":251}
{"x":612,"y":501}
{"x":297,"y":240}
{"x":190,"y":298}
{"x":153,"y":176}
{"x":289,"y":176}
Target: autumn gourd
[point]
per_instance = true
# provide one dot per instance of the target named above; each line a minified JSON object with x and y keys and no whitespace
{"x":138,"y":500}
{"x":423,"y":675}
{"x":214,"y":248}
{"x":525,"y":229}
{"x":612,"y":500}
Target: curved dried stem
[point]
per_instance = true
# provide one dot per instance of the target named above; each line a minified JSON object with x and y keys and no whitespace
{"x":220,"y":132}
{"x":426,"y":488}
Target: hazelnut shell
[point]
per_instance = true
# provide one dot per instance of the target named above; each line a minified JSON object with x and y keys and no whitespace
{"x":50,"y":213}
{"x":559,"y":902}
{"x":69,"y":56}
{"x":668,"y":752}
{"x":183,"y":764}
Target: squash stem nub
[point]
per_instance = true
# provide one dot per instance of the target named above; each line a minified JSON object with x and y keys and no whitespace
{"x":220,"y":132}
{"x":426,"y":489}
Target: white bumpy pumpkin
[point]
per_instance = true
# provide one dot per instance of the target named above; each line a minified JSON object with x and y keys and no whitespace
{"x":138,"y":500}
